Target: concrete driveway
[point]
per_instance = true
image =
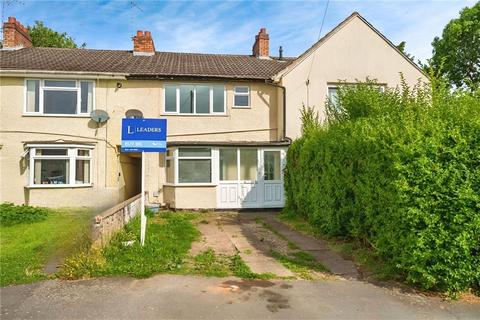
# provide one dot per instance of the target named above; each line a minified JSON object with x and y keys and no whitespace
{"x":188,"y":297}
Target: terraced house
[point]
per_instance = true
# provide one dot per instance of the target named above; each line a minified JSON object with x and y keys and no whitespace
{"x":230,"y":118}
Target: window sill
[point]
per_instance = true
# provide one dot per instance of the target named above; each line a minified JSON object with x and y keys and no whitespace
{"x":56,"y":115}
{"x":241,"y":107}
{"x":190,"y":184}
{"x":58,"y":186}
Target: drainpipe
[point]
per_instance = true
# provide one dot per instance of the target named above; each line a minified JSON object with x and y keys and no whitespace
{"x":284,"y":91}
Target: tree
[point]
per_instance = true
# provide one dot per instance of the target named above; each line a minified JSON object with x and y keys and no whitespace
{"x":456,"y":55}
{"x":43,"y":36}
{"x":401,"y":47}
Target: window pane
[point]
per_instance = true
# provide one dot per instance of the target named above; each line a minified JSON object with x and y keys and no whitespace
{"x":49,"y":171}
{"x":194,"y":170}
{"x":241,"y":89}
{"x":333,"y":95}
{"x":83,"y":152}
{"x":87,"y":97}
{"x":170,"y":171}
{"x":203,"y":99}
{"x":194,"y":152}
{"x":82,"y":171}
{"x":241,"y":101}
{"x":33,"y":95}
{"x":186,"y":99}
{"x":228,"y":164}
{"x":170,"y":98}
{"x":51,"y":152}
{"x":272,"y":165}
{"x":218,"y":99}
{"x":56,"y":83}
{"x":60,"y":102}
{"x":248,"y":164}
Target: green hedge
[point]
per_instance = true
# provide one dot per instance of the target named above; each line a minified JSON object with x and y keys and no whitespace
{"x":399,"y":170}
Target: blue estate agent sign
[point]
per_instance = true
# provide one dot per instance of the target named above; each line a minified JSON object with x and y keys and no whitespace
{"x":144,"y":135}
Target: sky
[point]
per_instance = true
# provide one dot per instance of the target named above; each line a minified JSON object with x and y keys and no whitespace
{"x":230,"y":26}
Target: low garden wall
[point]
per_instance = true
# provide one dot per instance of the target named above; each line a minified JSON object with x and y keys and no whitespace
{"x":112,"y":220}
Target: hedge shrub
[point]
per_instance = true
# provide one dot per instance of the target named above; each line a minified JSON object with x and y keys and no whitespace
{"x":11,"y":214}
{"x":399,"y":170}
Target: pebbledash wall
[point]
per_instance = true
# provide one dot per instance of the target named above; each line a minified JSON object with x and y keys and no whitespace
{"x":115,"y":175}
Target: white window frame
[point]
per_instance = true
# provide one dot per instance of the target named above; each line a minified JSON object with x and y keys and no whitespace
{"x":41,"y":90}
{"x":247,"y":94}
{"x":175,"y":157}
{"x":72,"y":156}
{"x":177,"y":100}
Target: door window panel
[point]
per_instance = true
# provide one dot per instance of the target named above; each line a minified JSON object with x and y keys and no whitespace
{"x":272,"y":165}
{"x":248,"y":164}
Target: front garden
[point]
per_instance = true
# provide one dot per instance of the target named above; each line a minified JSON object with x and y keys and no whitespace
{"x":31,"y":238}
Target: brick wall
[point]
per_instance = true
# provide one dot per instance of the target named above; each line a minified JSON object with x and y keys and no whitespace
{"x":112,"y":220}
{"x":15,"y":35}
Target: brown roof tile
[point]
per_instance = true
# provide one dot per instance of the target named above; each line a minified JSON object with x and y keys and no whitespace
{"x":167,"y":64}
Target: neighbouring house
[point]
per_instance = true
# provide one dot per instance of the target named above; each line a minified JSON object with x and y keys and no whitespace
{"x":230,"y":118}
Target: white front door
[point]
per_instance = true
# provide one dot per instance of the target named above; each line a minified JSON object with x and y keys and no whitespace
{"x":250,"y":178}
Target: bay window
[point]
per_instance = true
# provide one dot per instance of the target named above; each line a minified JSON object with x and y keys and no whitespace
{"x":56,"y":166}
{"x":194,"y":99}
{"x":59,"y":97}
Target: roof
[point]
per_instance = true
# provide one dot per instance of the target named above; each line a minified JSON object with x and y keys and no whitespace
{"x":161,"y":64}
{"x":327,"y":36}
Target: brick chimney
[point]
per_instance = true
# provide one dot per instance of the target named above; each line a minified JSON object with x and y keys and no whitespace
{"x":261,"y":45}
{"x":143,"y":44}
{"x":15,"y":35}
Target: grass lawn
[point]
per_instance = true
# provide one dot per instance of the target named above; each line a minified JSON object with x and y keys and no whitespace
{"x":168,"y":241}
{"x":26,"y":248}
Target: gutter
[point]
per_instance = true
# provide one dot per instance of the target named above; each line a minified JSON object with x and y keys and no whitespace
{"x":284,"y":126}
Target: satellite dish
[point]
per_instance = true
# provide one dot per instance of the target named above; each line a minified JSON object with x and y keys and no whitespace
{"x":99,"y":116}
{"x":134,"y":113}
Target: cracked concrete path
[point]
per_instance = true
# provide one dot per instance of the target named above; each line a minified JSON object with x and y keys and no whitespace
{"x":319,"y":249}
{"x":223,"y":233}
{"x":189,"y":297}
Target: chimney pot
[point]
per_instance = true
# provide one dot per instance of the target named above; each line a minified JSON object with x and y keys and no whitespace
{"x":15,"y":35}
{"x":143,"y":44}
{"x":261,"y":46}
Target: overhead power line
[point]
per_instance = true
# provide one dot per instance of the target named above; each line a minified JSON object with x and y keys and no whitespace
{"x":307,"y":81}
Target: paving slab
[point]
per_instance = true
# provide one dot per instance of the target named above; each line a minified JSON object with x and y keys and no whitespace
{"x":213,"y":237}
{"x":224,"y":234}
{"x":318,"y":248}
{"x":252,"y":250}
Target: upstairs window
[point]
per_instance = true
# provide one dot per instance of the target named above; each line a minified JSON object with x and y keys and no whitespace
{"x":59,"y":97}
{"x":194,"y":99}
{"x":241,"y":97}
